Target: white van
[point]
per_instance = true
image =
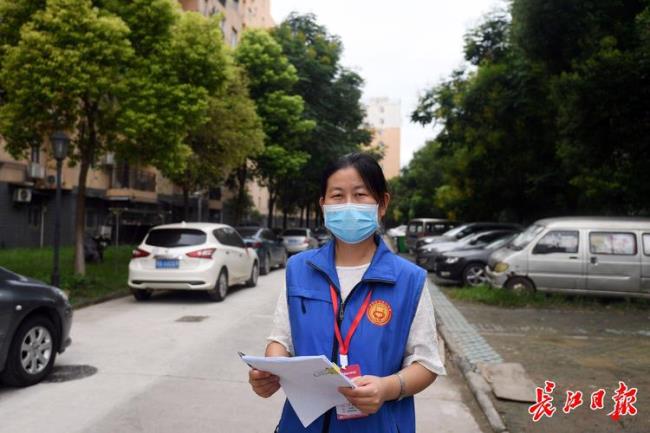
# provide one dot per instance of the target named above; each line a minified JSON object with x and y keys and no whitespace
{"x":577,"y":255}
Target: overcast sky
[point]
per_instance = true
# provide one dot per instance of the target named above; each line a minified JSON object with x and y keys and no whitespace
{"x":399,"y":48}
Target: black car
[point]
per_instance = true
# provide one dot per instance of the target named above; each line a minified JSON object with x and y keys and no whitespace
{"x":322,"y":235}
{"x":35,"y":321}
{"x":464,"y":230}
{"x":429,"y":257}
{"x":468,"y":266}
{"x":269,"y":247}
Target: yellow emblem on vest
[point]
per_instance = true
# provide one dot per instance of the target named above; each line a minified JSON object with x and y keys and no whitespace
{"x":379,"y":313}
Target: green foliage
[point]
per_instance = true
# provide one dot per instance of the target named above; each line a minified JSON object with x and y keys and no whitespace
{"x":68,"y":63}
{"x":104,"y":279}
{"x":331,"y":95}
{"x":135,"y":77}
{"x":489,"y":41}
{"x":552,"y":120}
{"x":484,"y":294}
{"x":271,"y":81}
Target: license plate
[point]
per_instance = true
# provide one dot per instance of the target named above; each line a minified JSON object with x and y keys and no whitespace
{"x":293,"y":241}
{"x":167,"y":264}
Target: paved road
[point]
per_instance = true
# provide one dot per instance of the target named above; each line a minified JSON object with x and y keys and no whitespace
{"x":158,"y":374}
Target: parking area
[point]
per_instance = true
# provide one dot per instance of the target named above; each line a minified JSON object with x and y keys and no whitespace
{"x":578,"y":349}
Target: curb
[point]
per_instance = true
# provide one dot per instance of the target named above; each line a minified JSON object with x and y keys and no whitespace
{"x":100,"y":300}
{"x":475,"y":382}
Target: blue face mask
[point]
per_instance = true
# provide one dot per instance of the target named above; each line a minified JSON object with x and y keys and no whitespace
{"x":351,"y":223}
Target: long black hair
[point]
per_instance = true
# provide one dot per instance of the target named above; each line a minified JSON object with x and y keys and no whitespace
{"x":367,"y":167}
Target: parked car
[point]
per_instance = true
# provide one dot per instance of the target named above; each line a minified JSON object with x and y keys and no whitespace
{"x":589,"y":255}
{"x":398,"y":231}
{"x":35,"y":321}
{"x":429,"y":255}
{"x":269,"y":248}
{"x":298,"y":239}
{"x":468,"y":265}
{"x":421,"y":227}
{"x":192,"y":256}
{"x":465,"y":230}
{"x":322,"y":235}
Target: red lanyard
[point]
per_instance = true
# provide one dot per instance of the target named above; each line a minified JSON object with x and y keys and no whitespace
{"x":344,"y":346}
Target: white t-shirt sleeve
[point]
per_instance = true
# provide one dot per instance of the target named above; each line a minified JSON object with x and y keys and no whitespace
{"x":281,"y":331}
{"x":422,"y":343}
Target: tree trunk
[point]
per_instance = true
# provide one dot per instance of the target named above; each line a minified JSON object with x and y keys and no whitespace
{"x":302,"y":216}
{"x":80,"y":219}
{"x":241,"y":194}
{"x":271,"y":206}
{"x":308,"y":216}
{"x":284,"y":219}
{"x":186,"y":204}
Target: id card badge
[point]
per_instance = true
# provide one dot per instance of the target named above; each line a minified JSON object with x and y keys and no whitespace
{"x":347,"y":410}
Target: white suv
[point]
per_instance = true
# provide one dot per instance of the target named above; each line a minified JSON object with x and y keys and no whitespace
{"x":192,"y":256}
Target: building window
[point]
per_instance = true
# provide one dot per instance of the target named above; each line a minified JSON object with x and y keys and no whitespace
{"x":381,"y":109}
{"x":620,"y":244}
{"x":223,"y":3}
{"x":214,"y":194}
{"x":233,"y":37}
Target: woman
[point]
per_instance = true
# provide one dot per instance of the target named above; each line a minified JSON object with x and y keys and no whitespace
{"x":356,"y":302}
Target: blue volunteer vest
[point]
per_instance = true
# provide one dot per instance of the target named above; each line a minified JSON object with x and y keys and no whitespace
{"x":378,"y":344}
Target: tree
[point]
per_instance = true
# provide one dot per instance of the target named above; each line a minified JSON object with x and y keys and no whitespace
{"x":496,"y":147}
{"x":80,"y":68}
{"x":271,"y":81}
{"x":232,"y":134}
{"x":66,"y":72}
{"x":332,"y":97}
{"x":556,"y":122}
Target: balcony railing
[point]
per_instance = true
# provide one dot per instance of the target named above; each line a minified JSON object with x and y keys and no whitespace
{"x":126,"y":177}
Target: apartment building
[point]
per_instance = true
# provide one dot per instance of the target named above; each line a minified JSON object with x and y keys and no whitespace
{"x":384,"y":118}
{"x":121,"y":199}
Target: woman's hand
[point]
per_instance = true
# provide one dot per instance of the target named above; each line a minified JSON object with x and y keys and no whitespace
{"x":263,"y":383}
{"x":369,"y":395}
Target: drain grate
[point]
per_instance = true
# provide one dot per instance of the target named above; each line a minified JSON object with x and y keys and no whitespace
{"x":192,"y":318}
{"x":65,"y":373}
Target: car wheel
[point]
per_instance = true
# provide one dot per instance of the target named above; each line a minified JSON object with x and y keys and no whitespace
{"x":267,"y":265}
{"x":520,"y":285}
{"x":283,"y":261}
{"x":220,"y":290}
{"x":32,"y":352}
{"x":255,"y":273}
{"x":141,"y":294}
{"x":474,"y":274}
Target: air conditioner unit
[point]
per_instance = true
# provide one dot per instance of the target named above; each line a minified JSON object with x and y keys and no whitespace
{"x":109,"y":158}
{"x":36,"y":171}
{"x":23,"y":195}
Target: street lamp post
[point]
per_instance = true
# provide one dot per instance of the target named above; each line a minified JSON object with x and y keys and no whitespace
{"x":60,"y":142}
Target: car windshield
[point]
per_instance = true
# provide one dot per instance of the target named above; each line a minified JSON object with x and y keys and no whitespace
{"x":172,"y":238}
{"x":295,"y":232}
{"x":525,"y":237}
{"x":247,"y":232}
{"x":455,"y":232}
{"x":500,"y":242}
{"x":473,"y":238}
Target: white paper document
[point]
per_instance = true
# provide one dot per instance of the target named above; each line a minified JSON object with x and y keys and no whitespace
{"x":310,"y":382}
